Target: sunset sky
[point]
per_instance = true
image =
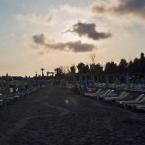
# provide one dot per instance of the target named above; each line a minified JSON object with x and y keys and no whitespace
{"x":51,"y":33}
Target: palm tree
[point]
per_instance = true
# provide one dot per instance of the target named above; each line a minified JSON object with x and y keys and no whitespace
{"x":47,"y":73}
{"x":36,"y":74}
{"x":42,"y":70}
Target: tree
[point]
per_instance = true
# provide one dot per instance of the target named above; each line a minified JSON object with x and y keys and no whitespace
{"x":130,"y":67}
{"x":42,"y":70}
{"x":111,"y":67}
{"x":136,"y":66}
{"x":123,"y":65}
{"x":82,"y":68}
{"x":142,"y":56}
{"x":47,"y":73}
{"x":58,"y":71}
{"x":96,"y":68}
{"x":142,"y":63}
{"x":73,"y":69}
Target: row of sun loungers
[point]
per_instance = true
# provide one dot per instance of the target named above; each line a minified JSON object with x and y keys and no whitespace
{"x":126,"y":99}
{"x":12,"y":96}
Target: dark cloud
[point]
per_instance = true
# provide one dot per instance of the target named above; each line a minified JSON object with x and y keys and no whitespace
{"x":39,"y":39}
{"x":89,"y":30}
{"x":136,"y":7}
{"x":76,"y":46}
{"x":133,"y":7}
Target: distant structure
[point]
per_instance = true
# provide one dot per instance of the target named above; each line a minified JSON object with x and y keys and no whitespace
{"x":49,"y":73}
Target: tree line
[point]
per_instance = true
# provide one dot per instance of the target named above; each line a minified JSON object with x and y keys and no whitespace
{"x":133,"y":67}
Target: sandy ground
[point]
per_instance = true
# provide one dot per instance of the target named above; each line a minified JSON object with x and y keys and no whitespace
{"x":55,"y":116}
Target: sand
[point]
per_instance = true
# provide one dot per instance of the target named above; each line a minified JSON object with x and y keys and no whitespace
{"x":56,"y":116}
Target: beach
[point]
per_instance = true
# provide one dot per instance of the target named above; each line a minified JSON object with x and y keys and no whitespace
{"x":56,"y":116}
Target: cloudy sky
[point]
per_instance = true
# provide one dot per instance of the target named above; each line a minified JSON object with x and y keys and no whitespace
{"x":50,"y":33}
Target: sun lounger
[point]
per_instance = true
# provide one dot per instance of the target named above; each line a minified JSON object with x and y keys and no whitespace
{"x":1,"y":102}
{"x":140,"y":107}
{"x":121,"y":96}
{"x":101,"y":93}
{"x":109,"y":93}
{"x":105,"y":94}
{"x":17,"y":97}
{"x":1,"y":99}
{"x":132,"y":101}
{"x":92,"y":94}
{"x":9,"y":99}
{"x":140,"y":102}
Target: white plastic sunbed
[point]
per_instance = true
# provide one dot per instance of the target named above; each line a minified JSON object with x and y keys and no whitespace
{"x":140,"y":107}
{"x":121,"y":96}
{"x":132,"y":101}
{"x":105,"y":93}
{"x":140,"y":102}
{"x":109,"y":93}
{"x":92,"y":94}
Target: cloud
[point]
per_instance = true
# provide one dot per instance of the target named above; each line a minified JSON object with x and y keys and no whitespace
{"x":40,"y":53}
{"x":89,"y":30}
{"x":35,"y":18}
{"x":39,"y":39}
{"x":73,"y":46}
{"x":135,"y":7}
{"x":76,"y":46}
{"x":124,"y":7}
{"x":75,"y":10}
{"x":98,"y":9}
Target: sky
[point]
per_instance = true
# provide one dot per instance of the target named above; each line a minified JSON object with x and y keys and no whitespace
{"x":52,"y":33}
